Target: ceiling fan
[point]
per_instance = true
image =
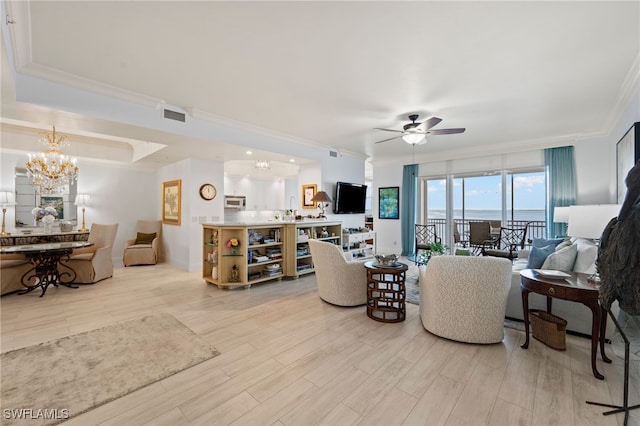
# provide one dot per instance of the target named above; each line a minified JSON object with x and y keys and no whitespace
{"x":414,"y":133}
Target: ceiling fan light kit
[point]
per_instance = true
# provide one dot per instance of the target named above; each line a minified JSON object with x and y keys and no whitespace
{"x":414,"y":138}
{"x":415,"y":133}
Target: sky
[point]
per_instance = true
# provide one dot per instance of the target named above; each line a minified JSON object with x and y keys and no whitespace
{"x":484,"y":192}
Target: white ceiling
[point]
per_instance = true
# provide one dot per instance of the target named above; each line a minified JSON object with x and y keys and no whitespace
{"x":325,"y":74}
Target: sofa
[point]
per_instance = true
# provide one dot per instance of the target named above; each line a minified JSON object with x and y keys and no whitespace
{"x":578,"y":316}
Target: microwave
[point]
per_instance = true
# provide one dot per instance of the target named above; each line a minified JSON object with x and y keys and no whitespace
{"x":237,"y":202}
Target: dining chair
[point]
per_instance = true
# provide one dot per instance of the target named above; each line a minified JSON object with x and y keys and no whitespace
{"x":94,"y":263}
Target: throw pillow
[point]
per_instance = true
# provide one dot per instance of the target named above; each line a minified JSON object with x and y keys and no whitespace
{"x":143,"y":238}
{"x":541,"y":242}
{"x":565,"y":243}
{"x":538,"y":255}
{"x":562,"y":260}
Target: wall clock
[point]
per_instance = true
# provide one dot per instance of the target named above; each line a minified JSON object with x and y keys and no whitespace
{"x":208,"y":192}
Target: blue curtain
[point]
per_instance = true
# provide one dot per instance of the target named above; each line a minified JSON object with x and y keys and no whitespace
{"x":408,"y":197}
{"x":561,"y":185}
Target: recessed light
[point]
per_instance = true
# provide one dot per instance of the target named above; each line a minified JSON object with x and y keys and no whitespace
{"x":249,"y":152}
{"x":292,"y":160}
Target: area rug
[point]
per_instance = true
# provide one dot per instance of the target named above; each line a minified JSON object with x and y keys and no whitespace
{"x":50,"y":382}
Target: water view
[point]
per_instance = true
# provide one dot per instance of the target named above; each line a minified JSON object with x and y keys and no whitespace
{"x":471,"y":214}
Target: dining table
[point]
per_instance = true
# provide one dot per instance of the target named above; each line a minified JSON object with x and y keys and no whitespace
{"x":48,"y":267}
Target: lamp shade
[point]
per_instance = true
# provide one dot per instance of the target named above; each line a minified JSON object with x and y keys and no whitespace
{"x":589,"y":221}
{"x":321,"y":197}
{"x":83,"y":200}
{"x":561,"y":215}
{"x":7,"y":198}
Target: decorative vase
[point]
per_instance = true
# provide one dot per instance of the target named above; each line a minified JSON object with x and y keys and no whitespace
{"x":234,"y":250}
{"x":48,"y":227}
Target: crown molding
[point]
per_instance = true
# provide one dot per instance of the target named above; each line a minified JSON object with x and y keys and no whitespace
{"x":629,"y":88}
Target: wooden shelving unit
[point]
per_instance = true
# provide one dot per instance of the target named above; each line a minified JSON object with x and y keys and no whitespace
{"x":266,"y":251}
{"x":248,"y":263}
{"x":298,"y":256}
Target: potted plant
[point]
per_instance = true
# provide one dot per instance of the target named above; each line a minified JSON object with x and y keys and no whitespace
{"x":437,"y":248}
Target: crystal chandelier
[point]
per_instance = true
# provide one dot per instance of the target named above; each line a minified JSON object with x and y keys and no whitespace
{"x":52,"y":169}
{"x":263,"y":164}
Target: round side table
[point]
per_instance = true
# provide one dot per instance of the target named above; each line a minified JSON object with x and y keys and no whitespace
{"x":386,"y":291}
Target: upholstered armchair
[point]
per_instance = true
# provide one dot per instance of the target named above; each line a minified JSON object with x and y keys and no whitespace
{"x":143,"y":250}
{"x":12,"y":269}
{"x":340,"y":281}
{"x":94,"y":263}
{"x":464,"y":298}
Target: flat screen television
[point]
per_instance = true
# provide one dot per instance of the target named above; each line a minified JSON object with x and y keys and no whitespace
{"x":350,"y":198}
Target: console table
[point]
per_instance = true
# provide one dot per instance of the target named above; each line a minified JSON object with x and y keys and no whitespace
{"x":41,"y":238}
{"x":575,"y":288}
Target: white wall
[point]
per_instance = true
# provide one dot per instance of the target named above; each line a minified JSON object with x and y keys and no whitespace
{"x":596,"y":160}
{"x":183,"y":243}
{"x":388,"y":231}
{"x":341,"y":169}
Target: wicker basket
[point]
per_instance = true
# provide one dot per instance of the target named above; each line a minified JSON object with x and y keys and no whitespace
{"x":549,"y":329}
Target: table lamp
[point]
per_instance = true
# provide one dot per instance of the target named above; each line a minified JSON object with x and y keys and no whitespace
{"x":561,"y":214}
{"x":589,"y":221}
{"x":7,"y":198}
{"x":321,"y":197}
{"x":83,"y":200}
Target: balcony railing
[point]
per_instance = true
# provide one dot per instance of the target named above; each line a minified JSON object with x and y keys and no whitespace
{"x":536,"y":228}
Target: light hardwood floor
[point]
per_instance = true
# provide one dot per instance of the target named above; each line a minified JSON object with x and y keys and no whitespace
{"x":288,"y":358}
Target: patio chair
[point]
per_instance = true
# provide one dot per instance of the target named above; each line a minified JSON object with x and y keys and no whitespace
{"x":479,"y":232}
{"x":459,"y":239}
{"x":507,"y":244}
{"x":425,"y":235}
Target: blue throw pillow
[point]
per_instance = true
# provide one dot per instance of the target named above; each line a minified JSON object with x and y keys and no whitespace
{"x":541,"y":242}
{"x":538,"y":255}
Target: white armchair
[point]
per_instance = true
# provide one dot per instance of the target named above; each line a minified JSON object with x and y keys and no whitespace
{"x":340,"y":281}
{"x":464,"y":298}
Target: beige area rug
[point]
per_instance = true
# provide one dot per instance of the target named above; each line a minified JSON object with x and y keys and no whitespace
{"x":47,"y":383}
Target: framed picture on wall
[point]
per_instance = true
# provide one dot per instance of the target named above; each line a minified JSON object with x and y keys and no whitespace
{"x":627,"y":154}
{"x":171,"y":202}
{"x":389,"y":202}
{"x":308,"y":192}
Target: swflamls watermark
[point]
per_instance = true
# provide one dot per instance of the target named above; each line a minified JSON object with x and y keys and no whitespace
{"x":35,"y":413}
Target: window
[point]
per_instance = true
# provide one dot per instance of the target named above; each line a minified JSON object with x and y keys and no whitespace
{"x":520,"y":200}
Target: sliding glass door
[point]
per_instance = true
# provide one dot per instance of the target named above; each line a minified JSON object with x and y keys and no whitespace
{"x":507,"y":198}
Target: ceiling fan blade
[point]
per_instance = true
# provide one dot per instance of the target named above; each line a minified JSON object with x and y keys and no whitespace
{"x":445,"y":131}
{"x":390,"y":139}
{"x":427,"y":124}
{"x":388,"y":130}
